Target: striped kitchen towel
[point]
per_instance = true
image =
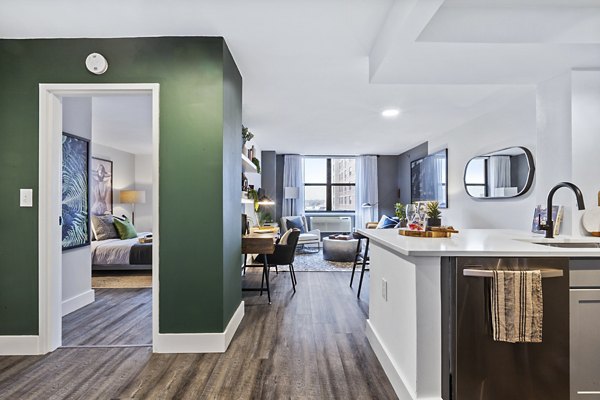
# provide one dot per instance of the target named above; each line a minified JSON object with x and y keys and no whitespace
{"x":517,"y":306}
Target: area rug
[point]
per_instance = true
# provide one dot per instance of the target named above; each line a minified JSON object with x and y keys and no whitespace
{"x":117,"y":280}
{"x":313,"y":262}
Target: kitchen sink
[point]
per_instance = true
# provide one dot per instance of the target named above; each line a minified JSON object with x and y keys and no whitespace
{"x":573,"y":245}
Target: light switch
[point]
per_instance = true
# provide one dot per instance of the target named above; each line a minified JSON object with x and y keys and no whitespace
{"x":26,"y":198}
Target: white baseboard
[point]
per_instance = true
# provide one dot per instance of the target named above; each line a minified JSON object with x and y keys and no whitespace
{"x":25,"y":345}
{"x":76,"y":302}
{"x":200,"y":342}
{"x":392,"y":372}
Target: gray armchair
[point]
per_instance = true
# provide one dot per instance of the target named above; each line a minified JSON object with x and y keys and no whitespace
{"x":308,"y":237}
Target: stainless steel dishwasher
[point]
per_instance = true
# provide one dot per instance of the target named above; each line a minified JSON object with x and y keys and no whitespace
{"x":474,"y":366}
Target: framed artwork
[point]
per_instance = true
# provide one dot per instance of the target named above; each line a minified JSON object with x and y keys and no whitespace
{"x":75,"y":192}
{"x":102,"y":186}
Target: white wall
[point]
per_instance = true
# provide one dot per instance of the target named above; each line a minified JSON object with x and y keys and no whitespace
{"x":123,"y":174}
{"x":143,"y":181}
{"x":554,"y":143}
{"x":511,"y":125}
{"x":77,"y":263}
{"x":585,"y":140}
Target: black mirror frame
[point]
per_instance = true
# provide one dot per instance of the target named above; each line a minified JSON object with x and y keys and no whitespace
{"x":530,"y":176}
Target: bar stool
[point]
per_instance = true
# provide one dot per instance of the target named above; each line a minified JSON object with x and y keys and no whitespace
{"x":360,"y":257}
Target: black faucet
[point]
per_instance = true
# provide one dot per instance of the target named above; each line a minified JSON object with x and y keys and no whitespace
{"x":549,"y":226}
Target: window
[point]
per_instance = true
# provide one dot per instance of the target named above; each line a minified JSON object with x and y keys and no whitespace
{"x":329,"y":184}
{"x":475,"y":178}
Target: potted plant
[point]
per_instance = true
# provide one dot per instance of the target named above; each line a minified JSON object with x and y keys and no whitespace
{"x":246,"y":135}
{"x":256,"y":162}
{"x":433,"y":214}
{"x":400,"y":211}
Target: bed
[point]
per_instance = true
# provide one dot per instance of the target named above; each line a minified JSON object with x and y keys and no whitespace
{"x":117,"y":254}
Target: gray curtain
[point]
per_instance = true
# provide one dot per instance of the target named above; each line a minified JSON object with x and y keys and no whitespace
{"x":498,"y":173}
{"x":366,"y":190}
{"x":293,"y":176}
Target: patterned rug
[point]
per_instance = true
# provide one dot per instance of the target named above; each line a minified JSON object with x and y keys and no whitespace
{"x":314,"y":262}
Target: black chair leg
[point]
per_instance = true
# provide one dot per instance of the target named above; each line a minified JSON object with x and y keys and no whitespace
{"x":355,"y":262}
{"x":267,"y":279}
{"x":292,"y":277}
{"x":293,"y":272}
{"x":362,"y":271}
{"x":262,"y":281}
{"x":245,"y":261}
{"x":276,"y":270}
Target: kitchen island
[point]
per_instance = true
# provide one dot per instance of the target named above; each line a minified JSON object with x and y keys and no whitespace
{"x":408,"y":300}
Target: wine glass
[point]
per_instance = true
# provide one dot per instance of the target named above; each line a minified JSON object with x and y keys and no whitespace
{"x":411,"y":212}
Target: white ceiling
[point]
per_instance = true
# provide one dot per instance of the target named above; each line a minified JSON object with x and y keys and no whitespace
{"x":123,"y":122}
{"x":317,"y":73}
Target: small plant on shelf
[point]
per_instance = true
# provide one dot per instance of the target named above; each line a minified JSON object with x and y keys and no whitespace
{"x":433,"y":214}
{"x":246,"y":134}
{"x":256,"y":162}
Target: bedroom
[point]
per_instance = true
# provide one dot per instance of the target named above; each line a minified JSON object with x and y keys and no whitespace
{"x":107,"y":274}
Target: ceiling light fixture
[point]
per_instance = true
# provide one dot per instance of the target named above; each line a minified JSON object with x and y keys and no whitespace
{"x":390,"y":112}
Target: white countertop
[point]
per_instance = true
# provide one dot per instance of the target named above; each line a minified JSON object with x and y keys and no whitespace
{"x":480,"y":242}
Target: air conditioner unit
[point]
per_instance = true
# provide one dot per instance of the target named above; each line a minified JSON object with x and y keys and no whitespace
{"x":331,"y":224}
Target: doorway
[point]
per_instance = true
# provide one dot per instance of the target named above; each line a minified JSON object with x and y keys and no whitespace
{"x":52,"y":97}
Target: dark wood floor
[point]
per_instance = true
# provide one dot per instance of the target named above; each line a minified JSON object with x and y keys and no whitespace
{"x":310,"y":345}
{"x":117,"y":317}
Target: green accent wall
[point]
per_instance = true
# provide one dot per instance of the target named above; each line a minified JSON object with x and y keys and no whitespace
{"x":200,"y":122}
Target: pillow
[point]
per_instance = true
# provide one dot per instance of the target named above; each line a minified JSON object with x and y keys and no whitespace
{"x":125,"y":229}
{"x":103,"y":227}
{"x":285,"y":236}
{"x":386,"y":222}
{"x":295,"y":222}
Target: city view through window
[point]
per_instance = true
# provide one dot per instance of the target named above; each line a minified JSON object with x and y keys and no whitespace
{"x":329,"y":184}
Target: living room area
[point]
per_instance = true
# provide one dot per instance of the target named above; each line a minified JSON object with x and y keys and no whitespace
{"x":326,"y":197}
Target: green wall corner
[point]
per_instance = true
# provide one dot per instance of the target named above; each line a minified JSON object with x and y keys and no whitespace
{"x":200,"y":120}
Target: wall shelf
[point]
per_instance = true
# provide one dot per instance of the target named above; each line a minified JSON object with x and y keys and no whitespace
{"x":248,"y":165}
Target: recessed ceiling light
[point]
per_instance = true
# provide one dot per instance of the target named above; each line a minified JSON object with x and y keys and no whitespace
{"x":390,"y":112}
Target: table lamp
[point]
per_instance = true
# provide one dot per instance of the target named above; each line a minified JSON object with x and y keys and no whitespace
{"x":132,"y":197}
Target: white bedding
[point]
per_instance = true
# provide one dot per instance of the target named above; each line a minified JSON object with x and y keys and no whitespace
{"x":113,"y":251}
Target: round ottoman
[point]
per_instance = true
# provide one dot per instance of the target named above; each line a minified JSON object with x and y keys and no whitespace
{"x":339,"y":250}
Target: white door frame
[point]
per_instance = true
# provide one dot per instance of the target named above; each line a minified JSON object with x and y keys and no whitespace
{"x":49,"y":202}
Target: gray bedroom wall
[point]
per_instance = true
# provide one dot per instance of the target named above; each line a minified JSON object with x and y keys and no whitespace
{"x":77,"y":263}
{"x":404,"y":160}
{"x":143,"y":181}
{"x":123,"y":174}
{"x":387,"y":184}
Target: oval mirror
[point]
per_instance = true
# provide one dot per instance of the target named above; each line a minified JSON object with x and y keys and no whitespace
{"x":500,"y":174}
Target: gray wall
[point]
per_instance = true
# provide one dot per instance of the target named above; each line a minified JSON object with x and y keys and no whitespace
{"x":387,"y":183}
{"x":404,"y":160}
{"x":269,"y":180}
{"x":519,"y":170}
{"x":279,"y":185}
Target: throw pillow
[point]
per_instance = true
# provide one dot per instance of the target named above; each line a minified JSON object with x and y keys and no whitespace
{"x":103,"y":227}
{"x":125,"y":229}
{"x":296,"y":222}
{"x":386,"y":222}
{"x":285,"y":236}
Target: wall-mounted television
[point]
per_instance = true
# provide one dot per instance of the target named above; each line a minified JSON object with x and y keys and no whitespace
{"x":429,"y":178}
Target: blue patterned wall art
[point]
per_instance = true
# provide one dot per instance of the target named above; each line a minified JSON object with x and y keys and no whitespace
{"x":75,"y":192}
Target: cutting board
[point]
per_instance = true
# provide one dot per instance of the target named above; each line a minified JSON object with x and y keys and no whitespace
{"x":591,"y":219}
